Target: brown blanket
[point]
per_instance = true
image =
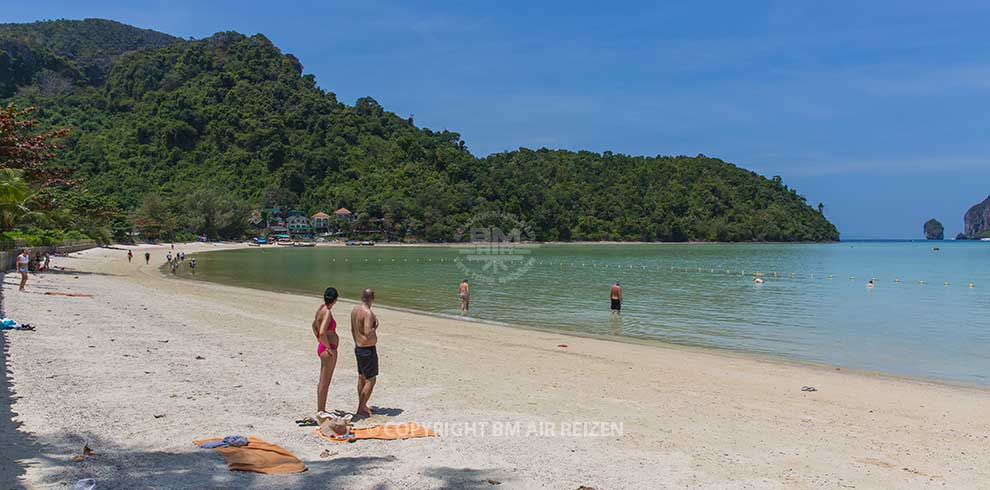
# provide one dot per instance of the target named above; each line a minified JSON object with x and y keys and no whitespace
{"x":258,"y":457}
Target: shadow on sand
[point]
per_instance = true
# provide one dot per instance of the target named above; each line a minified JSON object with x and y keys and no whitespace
{"x":16,"y":445}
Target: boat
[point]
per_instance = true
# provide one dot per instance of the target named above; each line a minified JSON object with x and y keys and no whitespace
{"x":304,"y":244}
{"x":287,"y":243}
{"x":985,"y":239}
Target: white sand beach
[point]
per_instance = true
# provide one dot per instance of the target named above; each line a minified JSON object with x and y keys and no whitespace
{"x":150,"y":363}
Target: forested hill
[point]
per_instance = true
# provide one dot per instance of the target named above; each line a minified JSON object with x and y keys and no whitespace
{"x":67,"y":51}
{"x":234,"y":115}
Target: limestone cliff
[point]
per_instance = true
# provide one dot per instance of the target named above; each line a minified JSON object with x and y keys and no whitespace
{"x":977,"y":220}
{"x":934,"y":230}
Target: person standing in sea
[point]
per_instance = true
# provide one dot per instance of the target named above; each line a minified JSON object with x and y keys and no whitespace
{"x":325,"y":329}
{"x":147,"y":258}
{"x":615,"y":295}
{"x":130,"y":255}
{"x":464,"y":294}
{"x":364,"y":328}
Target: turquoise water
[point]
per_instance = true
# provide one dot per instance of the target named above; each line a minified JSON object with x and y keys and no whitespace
{"x":699,"y":295}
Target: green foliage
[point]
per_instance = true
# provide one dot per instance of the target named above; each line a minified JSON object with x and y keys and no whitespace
{"x":53,"y":55}
{"x":234,"y":115}
{"x":36,"y":237}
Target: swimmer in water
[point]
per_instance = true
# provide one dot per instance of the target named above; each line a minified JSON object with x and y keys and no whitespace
{"x":869,"y":285}
{"x":757,"y":280}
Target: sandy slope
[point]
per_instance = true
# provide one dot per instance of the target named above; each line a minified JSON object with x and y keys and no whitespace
{"x":100,"y":369}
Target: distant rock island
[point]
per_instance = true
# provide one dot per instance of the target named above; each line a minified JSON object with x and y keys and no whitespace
{"x":934,"y":230}
{"x":976,"y":222}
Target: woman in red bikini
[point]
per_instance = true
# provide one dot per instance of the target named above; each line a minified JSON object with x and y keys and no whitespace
{"x":325,"y":329}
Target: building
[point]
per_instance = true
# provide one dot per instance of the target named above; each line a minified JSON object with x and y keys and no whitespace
{"x":344,"y":213}
{"x":298,"y":224}
{"x":321,"y":222}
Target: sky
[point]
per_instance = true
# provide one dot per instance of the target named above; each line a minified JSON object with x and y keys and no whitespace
{"x":880,"y":110}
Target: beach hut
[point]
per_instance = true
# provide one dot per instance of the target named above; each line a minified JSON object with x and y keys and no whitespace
{"x":321,"y":222}
{"x":344,"y":213}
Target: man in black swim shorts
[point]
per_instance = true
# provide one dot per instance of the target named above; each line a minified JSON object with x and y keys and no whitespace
{"x":364,"y":328}
{"x":616,"y":296}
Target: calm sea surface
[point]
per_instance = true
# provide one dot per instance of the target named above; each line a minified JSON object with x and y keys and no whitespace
{"x":686,"y":294}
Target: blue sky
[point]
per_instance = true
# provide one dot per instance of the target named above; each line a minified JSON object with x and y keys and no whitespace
{"x":878,"y":109}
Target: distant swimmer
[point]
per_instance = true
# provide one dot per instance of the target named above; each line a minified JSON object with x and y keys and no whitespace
{"x":869,"y":285}
{"x":615,"y":295}
{"x":130,"y":255}
{"x":464,"y":294}
{"x":325,"y":330}
{"x":757,"y":280}
{"x":364,"y":328}
{"x":192,"y":265}
{"x":147,"y":258}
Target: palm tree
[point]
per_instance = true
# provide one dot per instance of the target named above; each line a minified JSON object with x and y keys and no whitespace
{"x":15,"y":198}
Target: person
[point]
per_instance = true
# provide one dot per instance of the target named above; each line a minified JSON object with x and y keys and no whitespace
{"x":168,"y":257}
{"x":364,"y":328}
{"x":757,"y":280}
{"x":130,"y":255}
{"x":48,"y":261}
{"x":22,"y":266}
{"x":869,"y":285}
{"x":147,"y":258}
{"x":325,"y":329}
{"x":192,"y":265}
{"x":615,"y":294}
{"x":464,"y":294}
{"x":182,"y":256}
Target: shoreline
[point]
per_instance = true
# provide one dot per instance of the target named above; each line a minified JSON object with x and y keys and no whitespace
{"x":659,"y":343}
{"x":692,"y":417}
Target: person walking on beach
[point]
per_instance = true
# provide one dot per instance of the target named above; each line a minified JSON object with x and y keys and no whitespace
{"x":192,"y":265}
{"x":615,"y":295}
{"x":147,"y":258}
{"x":464,"y":294}
{"x":364,"y":328}
{"x":168,"y":257}
{"x":130,"y":255}
{"x":23,"y":259}
{"x":325,"y":329}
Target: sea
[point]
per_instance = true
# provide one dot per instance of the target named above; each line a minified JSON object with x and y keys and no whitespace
{"x":927,"y":314}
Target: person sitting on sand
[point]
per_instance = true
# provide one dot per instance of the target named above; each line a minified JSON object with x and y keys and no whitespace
{"x":23,"y":260}
{"x":464,"y":294}
{"x":325,"y":329}
{"x":364,"y":328}
{"x":615,"y":295}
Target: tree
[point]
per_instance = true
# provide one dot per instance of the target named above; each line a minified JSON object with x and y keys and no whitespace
{"x":15,"y":196}
{"x":22,"y":148}
{"x":154,"y":220}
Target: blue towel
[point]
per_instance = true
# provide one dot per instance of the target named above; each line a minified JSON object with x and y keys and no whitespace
{"x":229,"y":441}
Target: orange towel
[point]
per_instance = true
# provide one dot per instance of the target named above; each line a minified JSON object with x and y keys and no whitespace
{"x":387,"y":432}
{"x":258,"y":457}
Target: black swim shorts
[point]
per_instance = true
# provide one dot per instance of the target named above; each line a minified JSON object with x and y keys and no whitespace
{"x":367,"y":361}
{"x":616,"y":304}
